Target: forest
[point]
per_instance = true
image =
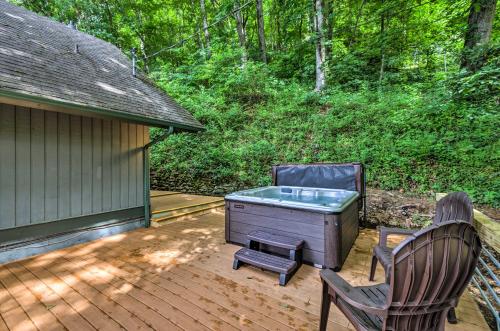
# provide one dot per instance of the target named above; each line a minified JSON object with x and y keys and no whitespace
{"x":411,"y":88}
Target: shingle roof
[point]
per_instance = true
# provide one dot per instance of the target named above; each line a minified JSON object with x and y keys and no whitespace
{"x":38,"y":59}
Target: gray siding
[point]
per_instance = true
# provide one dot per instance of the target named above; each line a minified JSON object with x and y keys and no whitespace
{"x":55,"y":166}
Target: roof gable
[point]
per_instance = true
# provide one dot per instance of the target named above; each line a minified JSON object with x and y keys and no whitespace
{"x":47,"y":60}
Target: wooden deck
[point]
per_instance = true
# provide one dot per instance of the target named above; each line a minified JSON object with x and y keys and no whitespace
{"x":169,"y":206}
{"x":174,"y":200}
{"x":175,"y":277}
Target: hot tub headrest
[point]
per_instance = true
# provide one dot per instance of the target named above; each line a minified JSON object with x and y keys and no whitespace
{"x":346,"y":176}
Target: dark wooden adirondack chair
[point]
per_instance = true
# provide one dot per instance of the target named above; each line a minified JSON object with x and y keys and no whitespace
{"x":454,"y":206}
{"x":429,"y":271}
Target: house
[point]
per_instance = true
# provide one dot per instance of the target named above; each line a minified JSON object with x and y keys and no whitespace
{"x":74,"y":134}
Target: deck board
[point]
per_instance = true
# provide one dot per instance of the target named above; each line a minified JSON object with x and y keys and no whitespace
{"x":3,"y":326}
{"x":176,"y":277}
{"x":14,"y":316}
{"x":65,"y":315}
{"x":40,"y":316}
{"x":78,"y":302}
{"x":93,"y":297}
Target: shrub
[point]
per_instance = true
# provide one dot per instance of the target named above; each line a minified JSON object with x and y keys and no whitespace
{"x":416,"y":137}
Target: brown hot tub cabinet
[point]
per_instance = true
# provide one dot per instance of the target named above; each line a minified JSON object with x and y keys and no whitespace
{"x":327,"y":220}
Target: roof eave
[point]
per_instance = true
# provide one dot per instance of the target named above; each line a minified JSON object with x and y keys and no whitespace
{"x":99,"y":111}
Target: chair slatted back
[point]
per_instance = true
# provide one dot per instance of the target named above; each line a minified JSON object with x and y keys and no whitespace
{"x":454,"y":206}
{"x":430,"y":271}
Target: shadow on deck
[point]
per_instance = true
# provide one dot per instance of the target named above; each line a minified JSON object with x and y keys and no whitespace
{"x":177,"y":276}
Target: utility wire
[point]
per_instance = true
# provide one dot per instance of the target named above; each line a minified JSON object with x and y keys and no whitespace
{"x":198,"y":31}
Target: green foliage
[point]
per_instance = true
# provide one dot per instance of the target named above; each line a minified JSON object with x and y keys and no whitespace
{"x":396,"y":97}
{"x":416,"y":137}
{"x":482,"y":85}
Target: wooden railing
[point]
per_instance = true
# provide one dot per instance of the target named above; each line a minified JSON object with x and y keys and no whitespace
{"x":488,"y":229}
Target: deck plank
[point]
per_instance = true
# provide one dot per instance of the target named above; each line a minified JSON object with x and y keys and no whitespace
{"x":211,"y":307}
{"x":211,"y":296}
{"x":14,"y":316}
{"x":230,"y":304}
{"x":125,"y":318}
{"x":264,"y":304}
{"x":166,"y":312}
{"x":78,"y":302}
{"x":117,"y":307}
{"x":153,"y":276}
{"x":156,"y":313}
{"x":3,"y":326}
{"x":168,"y":293}
{"x":57,"y":306}
{"x":134,"y":243}
{"x":41,"y":317}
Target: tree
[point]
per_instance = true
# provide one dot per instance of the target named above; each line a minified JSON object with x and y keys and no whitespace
{"x":205,"y":27}
{"x":197,"y":29}
{"x":240,"y":28}
{"x":382,"y":45}
{"x":329,"y":28}
{"x":320,"y":45}
{"x":355,"y":29}
{"x":142,"y":38}
{"x":479,"y":26}
{"x":261,"y":31}
{"x":371,"y":38}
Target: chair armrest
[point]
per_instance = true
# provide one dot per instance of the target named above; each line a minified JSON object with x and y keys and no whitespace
{"x":384,"y":232}
{"x":351,"y":295}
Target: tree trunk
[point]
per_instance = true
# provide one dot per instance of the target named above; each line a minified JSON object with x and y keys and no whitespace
{"x":444,"y":60}
{"x":144,"y":55}
{"x":382,"y":44}
{"x":355,"y":29}
{"x":198,"y":31}
{"x":278,"y":33}
{"x":240,"y":28}
{"x":479,"y":26}
{"x":142,"y":38}
{"x":320,"y":45}
{"x":111,"y":22}
{"x":205,"y":27}
{"x":329,"y":28}
{"x":260,"y":28}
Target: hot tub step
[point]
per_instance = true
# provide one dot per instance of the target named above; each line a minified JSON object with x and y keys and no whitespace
{"x":275,"y":240}
{"x":286,"y":268}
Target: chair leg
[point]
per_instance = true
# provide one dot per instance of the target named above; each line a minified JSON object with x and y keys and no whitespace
{"x":452,"y":317}
{"x":373,"y":267}
{"x":325,"y":308}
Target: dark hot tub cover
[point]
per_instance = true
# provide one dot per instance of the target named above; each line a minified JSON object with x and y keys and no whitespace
{"x":345,"y":176}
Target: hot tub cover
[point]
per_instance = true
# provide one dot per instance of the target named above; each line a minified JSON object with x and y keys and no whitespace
{"x":344,"y":176}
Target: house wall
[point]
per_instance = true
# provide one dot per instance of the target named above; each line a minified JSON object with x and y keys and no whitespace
{"x":56,"y":166}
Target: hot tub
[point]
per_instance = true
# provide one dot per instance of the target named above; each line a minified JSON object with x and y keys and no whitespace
{"x":326,"y":219}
